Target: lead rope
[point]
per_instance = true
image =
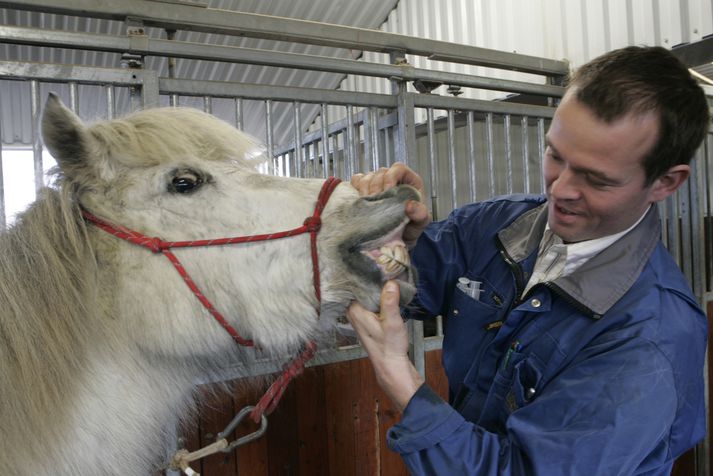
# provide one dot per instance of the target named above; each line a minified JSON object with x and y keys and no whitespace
{"x":274,"y":393}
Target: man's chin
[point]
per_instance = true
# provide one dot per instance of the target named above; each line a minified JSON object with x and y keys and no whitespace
{"x":568,"y":234}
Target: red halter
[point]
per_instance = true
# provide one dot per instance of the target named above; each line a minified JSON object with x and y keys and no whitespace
{"x":311,"y":225}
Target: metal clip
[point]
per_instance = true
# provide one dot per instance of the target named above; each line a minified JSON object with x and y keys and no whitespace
{"x":243,"y":439}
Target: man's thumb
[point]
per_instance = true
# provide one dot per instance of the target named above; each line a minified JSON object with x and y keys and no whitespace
{"x":390,"y":298}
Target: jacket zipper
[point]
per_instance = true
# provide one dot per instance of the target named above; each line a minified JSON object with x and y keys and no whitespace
{"x":571,"y":301}
{"x":517,"y":273}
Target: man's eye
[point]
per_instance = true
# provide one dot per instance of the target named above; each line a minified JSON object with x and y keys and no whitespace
{"x":552,"y":155}
{"x":597,"y":183}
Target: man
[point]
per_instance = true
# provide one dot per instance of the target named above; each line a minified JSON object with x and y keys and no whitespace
{"x":572,"y":343}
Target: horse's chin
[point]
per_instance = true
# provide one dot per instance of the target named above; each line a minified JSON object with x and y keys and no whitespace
{"x":407,"y":291}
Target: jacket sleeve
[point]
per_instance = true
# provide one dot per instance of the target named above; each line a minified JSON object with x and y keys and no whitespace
{"x":601,"y":416}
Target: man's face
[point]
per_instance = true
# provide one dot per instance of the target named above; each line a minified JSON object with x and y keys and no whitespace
{"x":593,"y":170}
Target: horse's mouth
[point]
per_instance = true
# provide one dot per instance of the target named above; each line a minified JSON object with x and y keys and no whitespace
{"x":391,"y":257}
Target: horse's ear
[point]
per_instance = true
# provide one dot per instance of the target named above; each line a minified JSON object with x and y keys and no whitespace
{"x":64,"y":134}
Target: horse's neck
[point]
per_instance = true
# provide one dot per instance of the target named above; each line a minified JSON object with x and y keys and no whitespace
{"x":120,"y":414}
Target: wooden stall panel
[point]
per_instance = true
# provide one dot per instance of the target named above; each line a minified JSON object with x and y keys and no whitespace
{"x":332,"y":420}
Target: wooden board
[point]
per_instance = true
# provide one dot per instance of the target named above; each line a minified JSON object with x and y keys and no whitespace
{"x":331,"y":420}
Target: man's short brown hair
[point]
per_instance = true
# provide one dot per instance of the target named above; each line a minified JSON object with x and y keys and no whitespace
{"x":643,"y":79}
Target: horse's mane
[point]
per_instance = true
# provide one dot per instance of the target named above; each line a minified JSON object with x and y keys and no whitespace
{"x":156,"y":136}
{"x":46,"y":270}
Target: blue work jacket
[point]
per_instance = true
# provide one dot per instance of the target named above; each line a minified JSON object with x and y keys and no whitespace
{"x":596,"y":373}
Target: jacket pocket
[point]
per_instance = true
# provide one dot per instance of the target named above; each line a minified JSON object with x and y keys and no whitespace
{"x":516,"y":384}
{"x":467,"y":329}
{"x":525,"y":386}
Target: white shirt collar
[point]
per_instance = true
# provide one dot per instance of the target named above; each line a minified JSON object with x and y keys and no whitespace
{"x":556,"y":259}
{"x":579,"y":253}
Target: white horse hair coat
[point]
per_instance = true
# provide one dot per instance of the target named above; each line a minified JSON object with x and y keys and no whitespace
{"x":101,"y":340}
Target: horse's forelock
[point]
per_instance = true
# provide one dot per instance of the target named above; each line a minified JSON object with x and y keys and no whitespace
{"x":162,"y":135}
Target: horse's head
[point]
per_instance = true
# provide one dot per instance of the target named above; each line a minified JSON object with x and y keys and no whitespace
{"x":180,"y":174}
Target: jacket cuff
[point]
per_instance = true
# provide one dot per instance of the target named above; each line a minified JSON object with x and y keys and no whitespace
{"x":426,"y":421}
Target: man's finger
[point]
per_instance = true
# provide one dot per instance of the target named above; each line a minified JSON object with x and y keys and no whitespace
{"x":400,"y":173}
{"x":356,"y":314}
{"x":376,"y":185}
{"x":355,"y":179}
{"x":362,"y":182}
{"x":390,"y":302}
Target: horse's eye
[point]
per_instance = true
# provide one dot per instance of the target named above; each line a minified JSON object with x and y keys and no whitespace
{"x":185,"y":181}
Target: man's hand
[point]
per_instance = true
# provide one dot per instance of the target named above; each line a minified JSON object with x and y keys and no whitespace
{"x":385,"y":338}
{"x":376,"y":182}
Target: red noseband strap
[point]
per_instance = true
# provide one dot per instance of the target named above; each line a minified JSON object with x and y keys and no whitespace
{"x":311,"y":225}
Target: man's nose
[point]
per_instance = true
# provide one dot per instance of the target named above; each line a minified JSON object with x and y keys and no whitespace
{"x":565,"y":186}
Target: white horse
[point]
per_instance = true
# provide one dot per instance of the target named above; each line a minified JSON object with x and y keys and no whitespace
{"x":101,"y":339}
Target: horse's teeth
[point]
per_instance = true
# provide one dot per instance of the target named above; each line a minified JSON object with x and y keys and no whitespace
{"x":393,"y":266}
{"x":401,"y":254}
{"x":383,"y":259}
{"x":393,"y":260}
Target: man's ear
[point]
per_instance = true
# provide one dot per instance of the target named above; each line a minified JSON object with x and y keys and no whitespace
{"x":669,"y":182}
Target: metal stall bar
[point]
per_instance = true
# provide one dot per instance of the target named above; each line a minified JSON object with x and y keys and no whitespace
{"x":211,"y":20}
{"x":36,"y":139}
{"x":489,"y":153}
{"x":269,"y":143}
{"x":452,"y":168}
{"x":406,"y":127}
{"x":239,"y":114}
{"x":697,"y":251}
{"x":472,"y":182}
{"x":525,"y":140}
{"x":388,"y":158}
{"x":686,"y":221}
{"x":349,"y":144}
{"x":146,"y":80}
{"x":324,"y":122}
{"x":297,"y":121}
{"x":231,"y":54}
{"x":218,"y":89}
{"x":541,"y":149}
{"x":73,"y":97}
{"x":432,"y":167}
{"x":669,"y":217}
{"x":508,"y":154}
{"x":368,"y":156}
{"x":373,"y":124}
{"x":110,"y":106}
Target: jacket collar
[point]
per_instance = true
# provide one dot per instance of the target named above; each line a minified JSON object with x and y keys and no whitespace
{"x":600,"y":282}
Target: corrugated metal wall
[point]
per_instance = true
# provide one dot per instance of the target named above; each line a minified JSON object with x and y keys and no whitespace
{"x":575,"y":30}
